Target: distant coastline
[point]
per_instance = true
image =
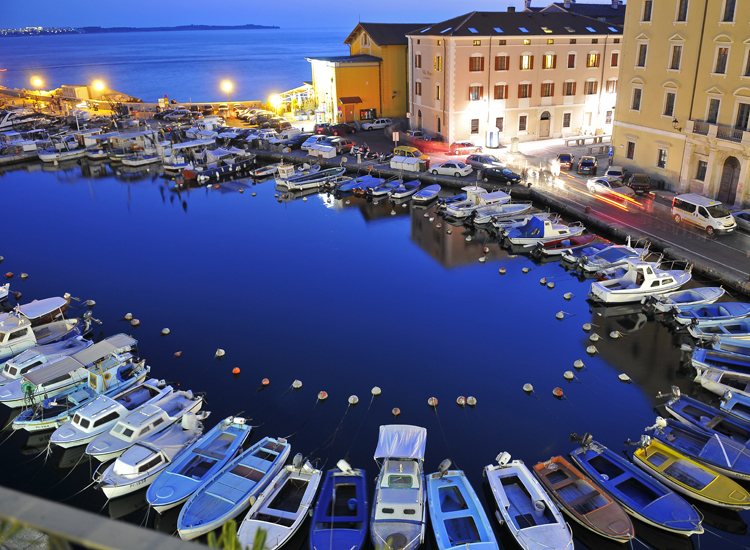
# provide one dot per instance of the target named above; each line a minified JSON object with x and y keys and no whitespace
{"x":36,"y":31}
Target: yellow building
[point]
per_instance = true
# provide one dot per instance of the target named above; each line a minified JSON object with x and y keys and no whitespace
{"x":684,"y":101}
{"x":369,"y":83}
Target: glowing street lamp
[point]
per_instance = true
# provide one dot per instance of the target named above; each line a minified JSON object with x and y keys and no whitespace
{"x":226,"y":86}
{"x":98,"y":85}
{"x":36,"y":82}
{"x":275,"y":101}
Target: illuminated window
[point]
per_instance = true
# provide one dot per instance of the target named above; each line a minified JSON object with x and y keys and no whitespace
{"x":592,"y":60}
{"x":437,"y":92}
{"x":477,"y":42}
{"x":438,"y":63}
{"x":527,"y":62}
{"x":549,"y":61}
{"x":440,"y":43}
{"x":550,"y":41}
{"x":476,"y":93}
{"x":612,"y":86}
{"x":572,"y":40}
{"x":526,"y":41}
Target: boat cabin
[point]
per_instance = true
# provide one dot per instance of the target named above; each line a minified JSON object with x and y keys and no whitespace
{"x":640,"y":275}
{"x":140,"y":423}
{"x":140,"y":459}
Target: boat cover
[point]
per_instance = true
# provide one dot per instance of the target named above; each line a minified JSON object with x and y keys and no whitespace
{"x":533,"y":228}
{"x":401,"y":441}
{"x":114,"y":344}
{"x":216,"y":154}
{"x":39,"y":308}
{"x":170,"y":442}
{"x":194,"y":143}
{"x":61,"y":367}
{"x":495,"y":196}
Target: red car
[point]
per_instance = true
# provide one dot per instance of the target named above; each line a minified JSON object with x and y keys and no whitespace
{"x":334,"y":129}
{"x":566,"y":161}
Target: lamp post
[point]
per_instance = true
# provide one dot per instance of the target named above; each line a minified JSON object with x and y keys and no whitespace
{"x":275,"y":101}
{"x":98,"y":86}
{"x":37,"y":83}
{"x":226,"y":86}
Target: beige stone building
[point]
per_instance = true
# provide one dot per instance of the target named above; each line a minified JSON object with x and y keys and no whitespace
{"x":531,"y":75}
{"x":684,"y":103}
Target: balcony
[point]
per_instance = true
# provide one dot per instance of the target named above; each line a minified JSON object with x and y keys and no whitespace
{"x":718,"y":131}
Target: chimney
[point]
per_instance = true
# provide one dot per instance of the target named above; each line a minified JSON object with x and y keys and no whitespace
{"x":615,"y":4}
{"x":566,"y":5}
{"x":511,"y":8}
{"x":527,"y":4}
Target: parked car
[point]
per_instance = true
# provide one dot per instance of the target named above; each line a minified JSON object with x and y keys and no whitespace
{"x":452,"y":168}
{"x":324,"y":128}
{"x":706,"y":213}
{"x":279,"y":124}
{"x":566,"y":161}
{"x":587,"y":165}
{"x":607,"y":185}
{"x":208,"y":110}
{"x":742,"y":219}
{"x":178,"y":115}
{"x":414,"y":134}
{"x":312,"y":140}
{"x":342,"y":129}
{"x":377,"y":124}
{"x":640,"y":183}
{"x":503,"y":175}
{"x":483,"y":161}
{"x":163,"y":114}
{"x":297,"y":141}
{"x":463,"y":148}
{"x":407,"y":151}
{"x":342,"y":145}
{"x":615,"y":172}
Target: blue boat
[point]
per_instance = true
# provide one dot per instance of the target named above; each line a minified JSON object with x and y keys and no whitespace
{"x":198,"y":463}
{"x":701,"y":313}
{"x":641,"y":495}
{"x":229,"y":491}
{"x":426,"y":194}
{"x":711,"y":359}
{"x":406,"y":189}
{"x":340,"y":516}
{"x":708,"y":330}
{"x":458,"y":518}
{"x":736,"y":346}
{"x":384,"y":188}
{"x":361,"y":183}
{"x":718,"y":452}
{"x":701,"y":415}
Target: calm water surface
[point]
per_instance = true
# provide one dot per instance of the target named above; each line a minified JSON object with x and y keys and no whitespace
{"x":344,"y":297}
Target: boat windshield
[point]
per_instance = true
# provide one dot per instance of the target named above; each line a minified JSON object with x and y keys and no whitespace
{"x":614,"y":254}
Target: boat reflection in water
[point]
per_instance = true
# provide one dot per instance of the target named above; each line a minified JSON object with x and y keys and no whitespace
{"x":125,"y":505}
{"x":722,"y":519}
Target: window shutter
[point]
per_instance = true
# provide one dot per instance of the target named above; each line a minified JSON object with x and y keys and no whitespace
{"x":529,"y":91}
{"x":497,"y":63}
{"x":520,"y":90}
{"x":520,"y":64}
{"x":552,"y":89}
{"x":554,"y":61}
{"x":531,"y":62}
{"x":574,"y":88}
{"x":507,"y":63}
{"x":481,"y":65}
{"x":481,"y":92}
{"x":469,"y":93}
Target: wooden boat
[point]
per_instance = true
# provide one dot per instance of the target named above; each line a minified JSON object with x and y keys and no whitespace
{"x":142,"y":463}
{"x":688,"y":476}
{"x":498,"y":212}
{"x":427,"y":194}
{"x":739,"y":328}
{"x":701,"y":415}
{"x":524,"y":507}
{"x":672,"y":301}
{"x":476,"y":197}
{"x":560,"y":246}
{"x":38,"y":356}
{"x":200,"y":461}
{"x":404,"y":190}
{"x":230,"y":491}
{"x":718,"y":452}
{"x":234,"y":166}
{"x":313,"y":179}
{"x":104,"y":412}
{"x":340,"y":516}
{"x":282,"y":506}
{"x":141,"y":159}
{"x":640,"y":280}
{"x":706,"y":358}
{"x":265,"y":171}
{"x":641,"y":495}
{"x":504,"y":224}
{"x":457,"y":516}
{"x":399,"y":510}
{"x":583,"y":501}
{"x":144,"y":421}
{"x":538,"y":230}
{"x":723,"y":312}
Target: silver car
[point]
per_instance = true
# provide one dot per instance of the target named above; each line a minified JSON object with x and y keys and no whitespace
{"x":742,"y":219}
{"x":478,"y":162}
{"x":608,"y":186}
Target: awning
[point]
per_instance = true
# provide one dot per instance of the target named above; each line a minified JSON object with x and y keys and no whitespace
{"x":349,"y":100}
{"x":118,"y":343}
{"x":401,"y":441}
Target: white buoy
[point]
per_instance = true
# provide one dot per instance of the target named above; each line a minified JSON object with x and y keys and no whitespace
{"x":393,"y":212}
{"x":426,"y":215}
{"x":219,"y":353}
{"x":375,"y":202}
{"x":501,"y":271}
{"x":578,"y":364}
{"x":135,"y":322}
{"x":591,"y":350}
{"x":304,"y":199}
{"x":615,"y":334}
{"x":90,"y":303}
{"x":568,"y":375}
{"x":586,"y":327}
{"x":471,"y":401}
{"x":128,"y":316}
{"x":353,"y":399}
{"x":550,"y":285}
{"x":322,"y":395}
{"x":461,"y":401}
{"x":560,"y":315}
{"x":165,"y":331}
{"x":297,"y":384}
{"x":482,"y":259}
{"x":404,"y":205}
{"x":255,"y":194}
{"x":1,"y":259}
{"x":24,"y":276}
{"x":594,"y":337}
{"x":528,"y":388}
{"x":525,"y":270}
{"x":568,"y":295}
{"x":468,"y":238}
{"x":450,"y":231}
{"x":242,"y":190}
{"x":624,"y":378}
{"x":543,"y":281}
{"x":439,"y":225}
{"x":348,"y":201}
{"x":376,"y":391}
{"x":276,"y":195}
{"x":431,"y":220}
{"x":486,"y":249}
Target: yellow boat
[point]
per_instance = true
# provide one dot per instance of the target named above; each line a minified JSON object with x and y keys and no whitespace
{"x":689,"y":477}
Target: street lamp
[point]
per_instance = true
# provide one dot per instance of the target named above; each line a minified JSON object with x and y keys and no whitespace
{"x":275,"y":101}
{"x":226,"y":86}
{"x":37,"y":83}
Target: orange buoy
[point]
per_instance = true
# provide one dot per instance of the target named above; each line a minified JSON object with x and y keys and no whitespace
{"x":486,"y":249}
{"x":461,"y":401}
{"x":216,"y":186}
{"x":236,"y":370}
{"x":322,"y":396}
{"x":177,"y":353}
{"x":396,"y":411}
{"x":9,"y":275}
{"x":17,"y":295}
{"x":557,"y":392}
{"x":432,"y":402}
{"x":265,"y":381}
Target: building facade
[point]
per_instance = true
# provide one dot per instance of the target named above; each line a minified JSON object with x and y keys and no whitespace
{"x":684,"y":104}
{"x":527,"y":75}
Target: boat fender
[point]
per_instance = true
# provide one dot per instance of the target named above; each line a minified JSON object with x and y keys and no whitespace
{"x":353,"y":400}
{"x":322,"y":396}
{"x":624,"y":378}
{"x":219,"y":353}
{"x":9,"y":275}
{"x":432,"y":220}
{"x":426,"y":215}
{"x":375,"y":391}
{"x":242,"y":190}
{"x":265,"y":382}
{"x":502,"y":271}
{"x":557,"y":392}
{"x":348,"y":201}
{"x":276,"y":195}
{"x":24,"y":276}
{"x":255,"y":194}
{"x":404,"y":205}
{"x":471,"y":401}
{"x":252,"y":500}
{"x":396,"y":411}
{"x":432,"y":402}
{"x":297,"y":384}
{"x":461,"y":401}
{"x":615,"y":334}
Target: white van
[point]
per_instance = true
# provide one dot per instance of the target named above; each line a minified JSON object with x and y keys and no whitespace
{"x":706,"y":213}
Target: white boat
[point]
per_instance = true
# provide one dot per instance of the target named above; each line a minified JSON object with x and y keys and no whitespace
{"x":104,"y":412}
{"x":141,"y":464}
{"x":613,"y":256}
{"x":37,"y":356}
{"x":538,"y":230}
{"x":17,"y":118}
{"x":486,"y":214}
{"x":141,"y":159}
{"x":672,"y":301}
{"x":399,"y":509}
{"x":427,"y":194}
{"x":316,"y":179}
{"x":640,"y":280}
{"x":720,"y":382}
{"x":4,"y":291}
{"x":406,"y":189}
{"x":282,"y":506}
{"x":144,"y":421}
{"x":182,"y":155}
{"x":503,"y":225}
{"x":525,"y":508}
{"x":284,"y":172}
{"x":475,"y":200}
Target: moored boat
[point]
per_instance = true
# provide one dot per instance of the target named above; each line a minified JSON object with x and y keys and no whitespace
{"x":738,"y":328}
{"x":427,"y":194}
{"x":38,"y":356}
{"x":641,"y":279}
{"x":313,"y":179}
{"x":476,"y":197}
{"x":702,"y":313}
{"x":406,"y":189}
{"x":673,"y":301}
{"x":538,"y":230}
{"x":560,"y":246}
{"x":498,"y":212}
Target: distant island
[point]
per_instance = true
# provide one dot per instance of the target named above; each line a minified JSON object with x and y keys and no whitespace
{"x":35,"y":31}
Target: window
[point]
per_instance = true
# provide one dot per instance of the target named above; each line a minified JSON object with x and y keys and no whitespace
{"x":721,"y":60}
{"x":674,"y":64}
{"x":418,"y":61}
{"x":548,"y":89}
{"x":661,"y":158}
{"x":636,"y":103}
{"x":474,"y":125}
{"x":669,"y":104}
{"x":500,"y":123}
{"x":365,"y":40}
{"x":647,"y":10}
{"x":549,"y":61}
{"x":157,"y":422}
{"x":612,"y":86}
{"x":437,"y":92}
{"x":713,"y":111}
{"x":477,"y":43}
{"x":592,"y":60}
{"x":526,"y":41}
{"x":106,"y":419}
{"x":17,"y":334}
{"x":747,"y":65}
{"x":439,"y":42}
{"x":743,"y":112}
{"x":569,"y":88}
{"x":417,"y":88}
{"x":550,"y":41}
{"x":630,"y":153}
{"x":476,"y":64}
{"x":571,"y":61}
{"x":501,"y":42}
{"x":502,"y":63}
{"x":615,"y":60}
{"x":572,"y":40}
{"x":524,"y":91}
{"x":522,"y":123}
{"x":438,"y":63}
{"x":608,"y":119}
{"x":729,"y":10}
{"x":475,"y":93}
{"x":642,"y":53}
{"x":616,"y":40}
{"x":501,"y":91}
{"x":591,"y":87}
{"x":593,"y":40}
{"x":566,"y":120}
{"x":527,"y":62}
{"x":700,"y":174}
{"x":682,"y":8}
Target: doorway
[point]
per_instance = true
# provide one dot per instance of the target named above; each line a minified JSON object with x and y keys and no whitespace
{"x":349,"y":114}
{"x":544,"y":123}
{"x":730,"y":177}
{"x":438,"y":126}
{"x":419,"y":119}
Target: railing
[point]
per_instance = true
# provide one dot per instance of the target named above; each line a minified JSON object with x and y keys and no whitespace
{"x":700,"y":128}
{"x":720,"y":131}
{"x":730,"y":134}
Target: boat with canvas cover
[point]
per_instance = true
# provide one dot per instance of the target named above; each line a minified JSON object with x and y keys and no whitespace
{"x":723,"y":312}
{"x":674,"y":301}
{"x":360,"y":183}
{"x":230,"y":491}
{"x":504,"y":224}
{"x":234,"y":163}
{"x":315,"y":179}
{"x":406,"y":189}
{"x":142,"y":463}
{"x":583,"y":501}
{"x":110,"y":362}
{"x":497,"y":212}
{"x":524,"y":507}
{"x":455,"y":199}
{"x":383,"y":189}
{"x":182,"y":155}
{"x":104,"y":412}
{"x":476,"y":197}
{"x":538,"y":230}
{"x":200,"y":461}
{"x":642,"y":496}
{"x":144,"y":421}
{"x":560,"y":246}
{"x":458,"y":518}
{"x":614,"y":255}
{"x":399,"y":509}
{"x":282,"y":506}
{"x":340,"y":516}
{"x":40,"y":312}
{"x":641,"y":279}
{"x":688,"y":476}
{"x":427,"y":194}
{"x":707,"y":418}
{"x":37,"y":356}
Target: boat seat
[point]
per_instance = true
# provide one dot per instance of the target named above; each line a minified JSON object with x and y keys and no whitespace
{"x":582,"y":499}
{"x":711,"y":424}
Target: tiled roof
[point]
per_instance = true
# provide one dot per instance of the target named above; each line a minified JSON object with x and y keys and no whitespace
{"x":503,"y":23}
{"x":385,"y":34}
{"x":347,"y":59}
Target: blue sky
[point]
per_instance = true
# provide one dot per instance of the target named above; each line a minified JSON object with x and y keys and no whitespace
{"x":292,"y":13}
